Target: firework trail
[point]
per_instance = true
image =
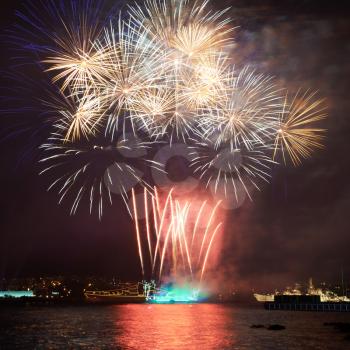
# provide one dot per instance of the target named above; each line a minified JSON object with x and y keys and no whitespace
{"x":171,"y":238}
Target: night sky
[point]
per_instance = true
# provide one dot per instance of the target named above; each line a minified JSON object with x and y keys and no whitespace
{"x":297,"y":226}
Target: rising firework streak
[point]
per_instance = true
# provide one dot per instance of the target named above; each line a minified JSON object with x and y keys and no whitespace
{"x":178,"y":236}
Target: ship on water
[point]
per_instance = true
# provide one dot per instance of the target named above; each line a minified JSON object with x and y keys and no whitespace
{"x":144,"y":291}
{"x":314,"y":299}
{"x":125,"y":293}
{"x":271,"y":297}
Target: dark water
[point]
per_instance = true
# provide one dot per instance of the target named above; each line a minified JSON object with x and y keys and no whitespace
{"x":202,"y":326}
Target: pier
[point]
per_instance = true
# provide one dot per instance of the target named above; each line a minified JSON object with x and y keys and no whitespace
{"x":325,"y":307}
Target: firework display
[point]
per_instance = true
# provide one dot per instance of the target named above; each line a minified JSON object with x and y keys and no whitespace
{"x":171,"y":233}
{"x":296,"y":135}
{"x":164,"y":73}
{"x":161,"y":72}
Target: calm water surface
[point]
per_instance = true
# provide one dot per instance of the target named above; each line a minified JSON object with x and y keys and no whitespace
{"x":201,"y":326}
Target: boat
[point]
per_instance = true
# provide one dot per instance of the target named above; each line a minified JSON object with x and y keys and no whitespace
{"x":125,"y":293}
{"x":261,"y":298}
{"x":326,"y":295}
{"x":113,"y":297}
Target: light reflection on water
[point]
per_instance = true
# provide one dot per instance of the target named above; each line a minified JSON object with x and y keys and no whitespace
{"x":202,"y":326}
{"x":198,"y":326}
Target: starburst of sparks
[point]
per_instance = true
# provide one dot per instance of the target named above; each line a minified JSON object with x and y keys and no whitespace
{"x":190,"y":28}
{"x":82,"y":120}
{"x":163,"y":72}
{"x":237,"y":168}
{"x":79,"y":71}
{"x":82,"y":169}
{"x":133,"y":64}
{"x":296,"y":136}
{"x":248,"y":114}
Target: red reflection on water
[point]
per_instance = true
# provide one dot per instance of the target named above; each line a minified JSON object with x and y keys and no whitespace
{"x":177,"y":326}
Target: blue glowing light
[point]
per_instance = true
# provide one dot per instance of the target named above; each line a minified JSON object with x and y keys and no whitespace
{"x":16,"y":294}
{"x":176,"y":294}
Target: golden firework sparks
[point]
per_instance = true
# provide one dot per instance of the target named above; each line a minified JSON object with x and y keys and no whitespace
{"x":248,"y":113}
{"x":165,"y":72}
{"x":134,"y":63}
{"x":83,"y":121}
{"x":296,"y":136}
{"x":73,"y":59}
{"x":78,"y":70}
{"x":188,"y":27}
{"x":152,"y":109}
{"x":204,"y":83}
